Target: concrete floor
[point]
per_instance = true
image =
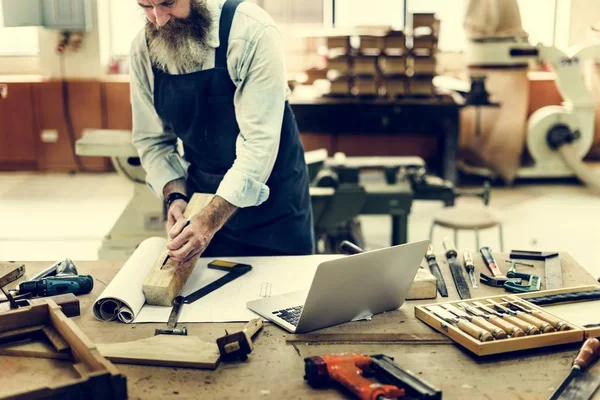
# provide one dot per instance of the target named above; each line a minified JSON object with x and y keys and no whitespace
{"x":49,"y":217}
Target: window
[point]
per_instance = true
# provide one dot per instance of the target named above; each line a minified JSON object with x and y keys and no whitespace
{"x":351,"y":13}
{"x":18,"y":41}
{"x":294,"y":11}
{"x":126,"y":20}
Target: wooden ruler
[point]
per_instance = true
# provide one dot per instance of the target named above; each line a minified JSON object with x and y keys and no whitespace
{"x":553,"y":271}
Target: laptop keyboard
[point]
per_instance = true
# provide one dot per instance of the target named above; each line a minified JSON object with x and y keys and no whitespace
{"x":290,"y":315}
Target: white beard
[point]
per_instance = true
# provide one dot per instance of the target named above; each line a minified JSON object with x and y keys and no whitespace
{"x":183,"y":59}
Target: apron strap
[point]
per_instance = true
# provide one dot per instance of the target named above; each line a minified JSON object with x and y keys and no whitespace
{"x":227,"y":14}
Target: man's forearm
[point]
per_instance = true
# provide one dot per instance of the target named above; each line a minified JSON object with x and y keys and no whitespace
{"x":175,"y":186}
{"x":218,"y":212}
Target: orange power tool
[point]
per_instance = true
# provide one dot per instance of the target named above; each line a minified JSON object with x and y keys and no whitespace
{"x":350,"y":370}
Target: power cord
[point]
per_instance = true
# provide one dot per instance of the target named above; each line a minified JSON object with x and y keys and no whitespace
{"x":67,"y":114}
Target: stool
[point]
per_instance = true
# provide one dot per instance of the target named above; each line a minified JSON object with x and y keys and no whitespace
{"x":468,"y":217}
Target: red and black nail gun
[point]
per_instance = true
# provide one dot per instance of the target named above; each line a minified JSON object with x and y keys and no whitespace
{"x":352,"y":370}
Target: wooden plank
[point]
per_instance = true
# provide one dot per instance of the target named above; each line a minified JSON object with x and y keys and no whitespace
{"x":164,"y":350}
{"x":24,"y":318}
{"x":55,"y":339}
{"x":21,"y":332}
{"x":33,"y":349}
{"x":161,"y":285}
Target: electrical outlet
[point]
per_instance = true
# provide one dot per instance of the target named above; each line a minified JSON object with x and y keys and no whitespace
{"x":49,"y":136}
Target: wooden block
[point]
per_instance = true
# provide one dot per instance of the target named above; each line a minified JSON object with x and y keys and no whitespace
{"x":395,"y":40}
{"x":365,"y":65}
{"x":366,"y":86}
{"x":423,"y":19}
{"x":393,"y":65}
{"x":396,"y":86}
{"x":340,"y":86}
{"x":341,"y":64}
{"x":423,"y":287}
{"x":164,"y":350}
{"x":161,"y":285}
{"x":424,"y":65}
{"x":372,"y":42}
{"x":335,"y":42}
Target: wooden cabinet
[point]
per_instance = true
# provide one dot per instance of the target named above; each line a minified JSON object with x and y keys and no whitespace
{"x":17,"y":128}
{"x":85,"y":112}
{"x":117,"y":105}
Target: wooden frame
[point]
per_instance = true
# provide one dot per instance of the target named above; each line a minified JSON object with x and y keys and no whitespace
{"x":98,"y":378}
{"x":574,"y":335}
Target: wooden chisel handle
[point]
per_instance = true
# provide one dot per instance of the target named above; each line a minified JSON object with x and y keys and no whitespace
{"x":512,"y":330}
{"x":555,"y":322}
{"x":525,"y":327}
{"x":474,"y":331}
{"x":496,"y":332}
{"x":541,"y":325}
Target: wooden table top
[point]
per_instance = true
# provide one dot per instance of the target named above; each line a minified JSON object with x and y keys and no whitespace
{"x":275,"y":369}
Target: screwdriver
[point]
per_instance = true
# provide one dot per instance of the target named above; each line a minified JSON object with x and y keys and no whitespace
{"x":588,"y":353}
{"x":470,"y":267}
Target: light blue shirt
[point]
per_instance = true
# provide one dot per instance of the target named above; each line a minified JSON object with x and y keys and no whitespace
{"x":255,"y":63}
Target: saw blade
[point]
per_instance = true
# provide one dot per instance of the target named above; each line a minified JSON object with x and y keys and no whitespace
{"x":17,"y":271}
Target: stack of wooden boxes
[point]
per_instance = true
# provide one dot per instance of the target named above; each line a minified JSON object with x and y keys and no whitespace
{"x":422,"y":62}
{"x":381,"y":62}
{"x":339,"y":65}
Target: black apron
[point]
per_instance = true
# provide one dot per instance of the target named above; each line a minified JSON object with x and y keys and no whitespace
{"x":199,"y":108}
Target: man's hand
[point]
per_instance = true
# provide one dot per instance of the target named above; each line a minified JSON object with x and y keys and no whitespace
{"x":175,"y":219}
{"x":191,"y":241}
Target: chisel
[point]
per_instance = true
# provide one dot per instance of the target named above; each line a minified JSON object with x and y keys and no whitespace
{"x":470,"y":267}
{"x":578,"y":385}
{"x":524,"y":326}
{"x":489,"y":261}
{"x":510,"y":329}
{"x":457,"y":274}
{"x":465,"y":326}
{"x":556,"y":323}
{"x":496,"y":332}
{"x":541,"y":325}
{"x":435,"y":270}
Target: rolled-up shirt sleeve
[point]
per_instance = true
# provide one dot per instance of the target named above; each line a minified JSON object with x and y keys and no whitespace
{"x":156,"y":147}
{"x":257,"y":67}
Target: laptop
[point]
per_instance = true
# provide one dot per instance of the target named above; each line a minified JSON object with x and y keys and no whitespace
{"x":346,"y":289}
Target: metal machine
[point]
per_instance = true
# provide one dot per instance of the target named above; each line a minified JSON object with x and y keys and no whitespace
{"x":558,"y":137}
{"x":338,"y":196}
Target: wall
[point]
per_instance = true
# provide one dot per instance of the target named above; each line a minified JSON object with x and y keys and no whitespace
{"x":88,"y":62}
{"x":20,"y":65}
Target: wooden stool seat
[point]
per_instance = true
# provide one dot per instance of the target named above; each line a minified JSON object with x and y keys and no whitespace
{"x":467,"y":217}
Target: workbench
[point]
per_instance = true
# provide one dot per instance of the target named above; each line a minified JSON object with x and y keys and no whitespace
{"x":427,"y":116}
{"x":275,"y":369}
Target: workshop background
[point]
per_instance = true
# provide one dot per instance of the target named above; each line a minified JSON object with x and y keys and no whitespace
{"x":392,"y":78}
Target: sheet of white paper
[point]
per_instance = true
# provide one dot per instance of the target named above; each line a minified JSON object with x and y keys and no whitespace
{"x":269,"y":276}
{"x":123,"y":299}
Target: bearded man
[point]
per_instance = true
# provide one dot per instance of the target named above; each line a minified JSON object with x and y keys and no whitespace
{"x":212,"y":73}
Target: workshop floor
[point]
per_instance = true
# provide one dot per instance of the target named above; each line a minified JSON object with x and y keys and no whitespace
{"x":48,"y":217}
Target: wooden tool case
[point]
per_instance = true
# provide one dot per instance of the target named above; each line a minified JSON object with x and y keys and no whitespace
{"x":574,"y":334}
